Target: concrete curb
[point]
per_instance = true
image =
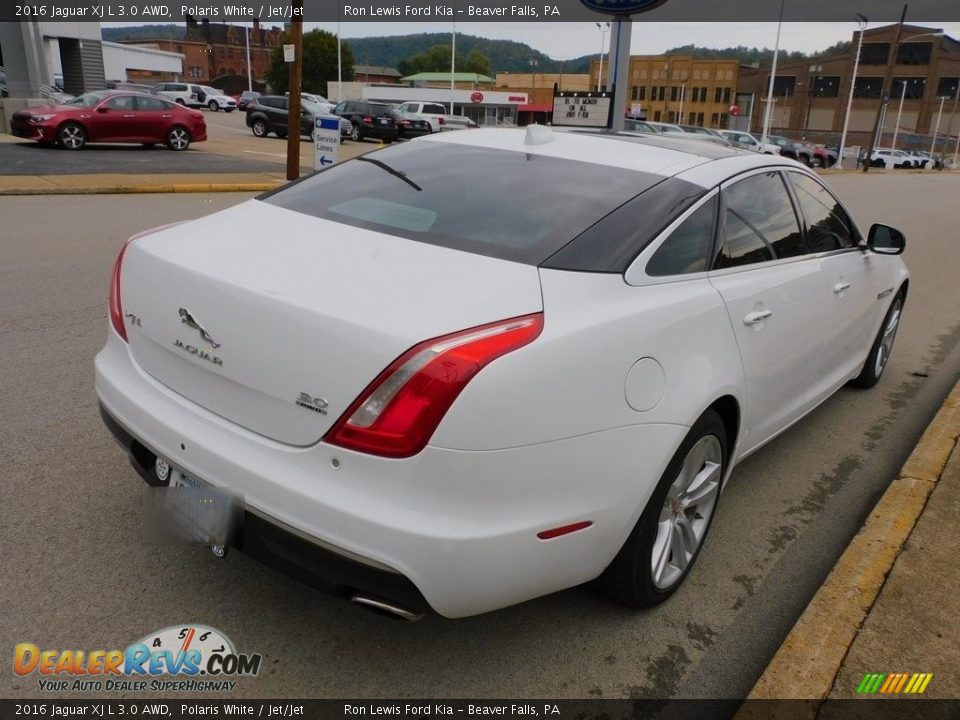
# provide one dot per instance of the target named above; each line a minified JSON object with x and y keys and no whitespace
{"x":139,"y":189}
{"x":811,"y":655}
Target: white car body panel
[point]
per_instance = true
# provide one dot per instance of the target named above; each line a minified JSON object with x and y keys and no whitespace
{"x":578,"y":425}
{"x":327,"y":334}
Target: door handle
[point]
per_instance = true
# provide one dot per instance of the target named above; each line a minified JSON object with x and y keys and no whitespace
{"x":166,"y":116}
{"x":840,"y":287}
{"x":757,"y":317}
{"x":129,"y":116}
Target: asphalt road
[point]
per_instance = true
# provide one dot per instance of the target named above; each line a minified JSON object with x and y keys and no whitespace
{"x":74,"y":573}
{"x":230,"y":148}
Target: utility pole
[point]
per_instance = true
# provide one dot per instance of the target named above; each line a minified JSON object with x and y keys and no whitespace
{"x":884,"y":95}
{"x":773,"y":76}
{"x":296,"y":71}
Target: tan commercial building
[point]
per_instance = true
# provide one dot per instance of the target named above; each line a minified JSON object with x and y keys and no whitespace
{"x":810,"y":97}
{"x":677,"y":88}
{"x":539,"y":88}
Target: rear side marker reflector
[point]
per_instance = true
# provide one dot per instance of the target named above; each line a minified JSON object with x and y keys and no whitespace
{"x":396,"y":415}
{"x":565,"y":530}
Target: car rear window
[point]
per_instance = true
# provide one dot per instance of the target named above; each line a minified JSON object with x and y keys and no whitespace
{"x":508,"y":205}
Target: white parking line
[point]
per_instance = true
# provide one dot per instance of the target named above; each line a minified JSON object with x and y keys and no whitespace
{"x":258,"y":152}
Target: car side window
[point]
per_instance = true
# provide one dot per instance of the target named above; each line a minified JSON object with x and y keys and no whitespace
{"x":121,"y":102}
{"x":687,"y":250}
{"x":434,"y":109}
{"x":151,"y":104}
{"x":759,"y":222}
{"x":828,"y":226}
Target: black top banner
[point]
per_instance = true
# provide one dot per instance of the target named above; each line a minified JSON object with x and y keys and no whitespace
{"x":462,"y":11}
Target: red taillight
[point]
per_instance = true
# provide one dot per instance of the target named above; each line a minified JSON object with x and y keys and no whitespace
{"x":399,"y":411}
{"x":440,"y":120}
{"x":116,"y":309}
{"x":367,"y":119}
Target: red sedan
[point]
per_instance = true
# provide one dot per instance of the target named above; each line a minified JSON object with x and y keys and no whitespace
{"x":112,"y":117}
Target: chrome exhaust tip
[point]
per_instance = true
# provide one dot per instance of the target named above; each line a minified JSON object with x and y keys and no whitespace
{"x":385,"y":608}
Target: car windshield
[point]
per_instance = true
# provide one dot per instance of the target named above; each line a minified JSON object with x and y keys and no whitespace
{"x":509,"y":205}
{"x":87,"y":100}
{"x":313,"y":108}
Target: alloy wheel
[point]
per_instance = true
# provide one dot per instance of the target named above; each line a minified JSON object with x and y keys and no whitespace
{"x":179,"y":139}
{"x":72,"y":137}
{"x":686,"y":512}
{"x":889,"y":334}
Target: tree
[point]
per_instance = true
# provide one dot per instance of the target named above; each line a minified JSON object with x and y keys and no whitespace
{"x":434,"y":59}
{"x":475,"y":62}
{"x":319,"y":63}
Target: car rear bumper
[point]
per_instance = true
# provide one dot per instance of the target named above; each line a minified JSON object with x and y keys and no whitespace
{"x":283,"y":548}
{"x":454,"y":529}
{"x":379,"y":132}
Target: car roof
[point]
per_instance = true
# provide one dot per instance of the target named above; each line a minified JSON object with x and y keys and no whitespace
{"x":664,"y":156}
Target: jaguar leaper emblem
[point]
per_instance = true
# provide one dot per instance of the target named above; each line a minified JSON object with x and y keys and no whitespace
{"x":187,"y":319}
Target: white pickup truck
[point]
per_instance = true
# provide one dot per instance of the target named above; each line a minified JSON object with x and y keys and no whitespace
{"x":436,"y":114}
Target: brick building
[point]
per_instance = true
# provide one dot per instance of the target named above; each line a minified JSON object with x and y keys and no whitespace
{"x":215,"y":50}
{"x":810,"y":96}
{"x":677,"y":88}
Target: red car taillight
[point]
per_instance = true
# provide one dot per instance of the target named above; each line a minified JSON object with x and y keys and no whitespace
{"x":399,"y":411}
{"x":367,"y":119}
{"x":440,"y":120}
{"x":116,"y":309}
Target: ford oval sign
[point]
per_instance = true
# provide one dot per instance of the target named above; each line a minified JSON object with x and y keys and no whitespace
{"x":622,"y":7}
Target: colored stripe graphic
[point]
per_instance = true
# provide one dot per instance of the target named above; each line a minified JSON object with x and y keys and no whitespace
{"x":894,"y":683}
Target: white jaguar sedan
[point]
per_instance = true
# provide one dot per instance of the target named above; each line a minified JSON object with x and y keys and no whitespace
{"x":482,"y":367}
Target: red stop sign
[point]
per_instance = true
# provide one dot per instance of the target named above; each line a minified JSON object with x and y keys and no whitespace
{"x":476,"y":97}
{"x":735,"y":110}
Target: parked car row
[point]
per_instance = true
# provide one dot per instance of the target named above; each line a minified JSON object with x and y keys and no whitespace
{"x":905,"y":159}
{"x":807,"y":153}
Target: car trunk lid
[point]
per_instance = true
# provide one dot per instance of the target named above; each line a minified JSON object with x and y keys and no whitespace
{"x":277,"y":321}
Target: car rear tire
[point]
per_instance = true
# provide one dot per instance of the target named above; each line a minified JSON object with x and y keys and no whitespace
{"x":214,"y":106}
{"x":667,"y":538}
{"x":882,"y":346}
{"x":178,"y":138}
{"x":71,"y":136}
{"x":387,"y":141}
{"x":181,"y":102}
{"x":260,"y":128}
{"x":355,"y":134}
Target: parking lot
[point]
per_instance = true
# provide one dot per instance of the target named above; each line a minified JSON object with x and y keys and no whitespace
{"x":230,"y":148}
{"x":77,"y":574}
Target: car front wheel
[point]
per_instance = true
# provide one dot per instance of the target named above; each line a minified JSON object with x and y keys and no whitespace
{"x":882,"y":346}
{"x":71,"y":136}
{"x":667,"y":539}
{"x":178,"y":138}
{"x":213,"y":105}
{"x":259,"y":128}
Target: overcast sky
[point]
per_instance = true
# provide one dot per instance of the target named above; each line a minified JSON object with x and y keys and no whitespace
{"x":563,"y":41}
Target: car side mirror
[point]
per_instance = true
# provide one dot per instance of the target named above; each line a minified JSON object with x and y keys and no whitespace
{"x":886,"y":240}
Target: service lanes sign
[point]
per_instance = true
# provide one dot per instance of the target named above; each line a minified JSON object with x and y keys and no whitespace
{"x":326,"y":141}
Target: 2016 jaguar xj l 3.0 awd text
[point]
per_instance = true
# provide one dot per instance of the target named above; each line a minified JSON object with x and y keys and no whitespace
{"x":482,"y":367}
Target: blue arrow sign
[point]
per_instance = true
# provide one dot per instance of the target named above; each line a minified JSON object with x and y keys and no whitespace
{"x":324,"y":160}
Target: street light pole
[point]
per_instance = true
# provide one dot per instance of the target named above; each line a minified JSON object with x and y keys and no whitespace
{"x":339,"y":67}
{"x":683,"y":89}
{"x":853,"y":84}
{"x":896,"y":129}
{"x":603,"y":27}
{"x":453,"y":63}
{"x":773,"y":75}
{"x":937,"y":130}
{"x":246,"y":37}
